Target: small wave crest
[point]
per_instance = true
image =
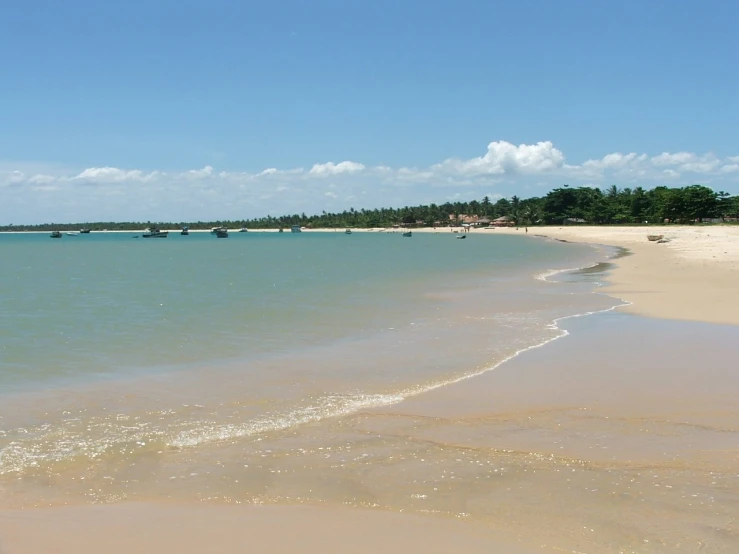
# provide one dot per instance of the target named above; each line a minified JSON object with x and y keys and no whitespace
{"x":325,"y":407}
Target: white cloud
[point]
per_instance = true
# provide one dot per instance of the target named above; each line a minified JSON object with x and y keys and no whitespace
{"x":273,"y":171}
{"x":331,"y":168}
{"x":41,"y":179}
{"x":114,"y":175}
{"x":207,"y":171}
{"x":617,"y":160}
{"x":52,"y":193}
{"x":665,"y":158}
{"x":504,"y":157}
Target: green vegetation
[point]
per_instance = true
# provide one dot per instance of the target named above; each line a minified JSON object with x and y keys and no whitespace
{"x":564,"y":205}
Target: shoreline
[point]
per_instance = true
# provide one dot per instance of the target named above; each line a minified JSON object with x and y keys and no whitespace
{"x":645,"y":278}
{"x":691,"y":278}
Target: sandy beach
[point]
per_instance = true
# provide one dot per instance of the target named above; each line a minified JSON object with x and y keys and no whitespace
{"x":692,"y":277}
{"x":166,"y":528}
{"x":619,"y":437}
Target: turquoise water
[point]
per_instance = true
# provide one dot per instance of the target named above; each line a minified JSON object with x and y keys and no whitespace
{"x":118,"y":354}
{"x":105,"y":304}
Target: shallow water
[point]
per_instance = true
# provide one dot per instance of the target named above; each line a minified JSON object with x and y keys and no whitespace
{"x":288,"y":385}
{"x":114,"y":348}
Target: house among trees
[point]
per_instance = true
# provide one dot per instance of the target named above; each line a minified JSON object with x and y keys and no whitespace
{"x":468,"y":220}
{"x":503,"y":221}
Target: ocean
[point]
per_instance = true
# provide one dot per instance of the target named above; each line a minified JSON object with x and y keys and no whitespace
{"x":234,"y":370}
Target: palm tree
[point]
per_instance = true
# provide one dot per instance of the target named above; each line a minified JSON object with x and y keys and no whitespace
{"x":532,"y":214}
{"x":515,"y":209}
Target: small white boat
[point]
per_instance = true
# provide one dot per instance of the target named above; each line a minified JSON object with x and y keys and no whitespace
{"x":243,"y":230}
{"x":295,"y":229}
{"x":72,"y":233}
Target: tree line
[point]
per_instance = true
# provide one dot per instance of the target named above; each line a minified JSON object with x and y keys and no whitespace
{"x":563,"y":205}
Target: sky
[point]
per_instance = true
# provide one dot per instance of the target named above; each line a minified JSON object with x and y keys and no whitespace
{"x":190,"y":110}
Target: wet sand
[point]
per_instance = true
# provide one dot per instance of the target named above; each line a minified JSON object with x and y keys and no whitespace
{"x":198,"y":529}
{"x":620,"y":437}
{"x":629,"y":428}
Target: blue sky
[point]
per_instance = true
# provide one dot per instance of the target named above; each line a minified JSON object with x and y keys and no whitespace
{"x":174,"y":110}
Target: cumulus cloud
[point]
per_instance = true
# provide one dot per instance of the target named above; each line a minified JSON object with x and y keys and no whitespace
{"x":503,"y":157}
{"x":665,"y":158}
{"x":330,"y":168}
{"x":506,"y":168}
{"x":114,"y":175}
{"x":207,"y":171}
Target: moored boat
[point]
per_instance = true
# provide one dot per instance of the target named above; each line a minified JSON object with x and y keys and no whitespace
{"x":348,"y":232}
{"x":408,"y":234}
{"x":56,"y":234}
{"x":220,"y":232}
{"x":185,"y":231}
{"x":295,"y":229}
{"x":72,"y":233}
{"x":243,"y":230}
{"x":154,"y":233}
{"x":85,"y":231}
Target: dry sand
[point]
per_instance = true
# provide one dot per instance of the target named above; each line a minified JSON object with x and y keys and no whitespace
{"x":693,"y":277}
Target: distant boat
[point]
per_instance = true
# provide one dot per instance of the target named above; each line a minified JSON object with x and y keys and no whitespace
{"x":407,"y":234}
{"x":348,"y":232}
{"x":461,"y":237}
{"x":85,"y":231}
{"x":154,"y":233}
{"x":281,"y":230}
{"x":72,"y":233}
{"x":56,"y":234}
{"x":220,"y":232}
{"x":185,"y":231}
{"x":295,"y":229}
{"x":243,"y":230}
